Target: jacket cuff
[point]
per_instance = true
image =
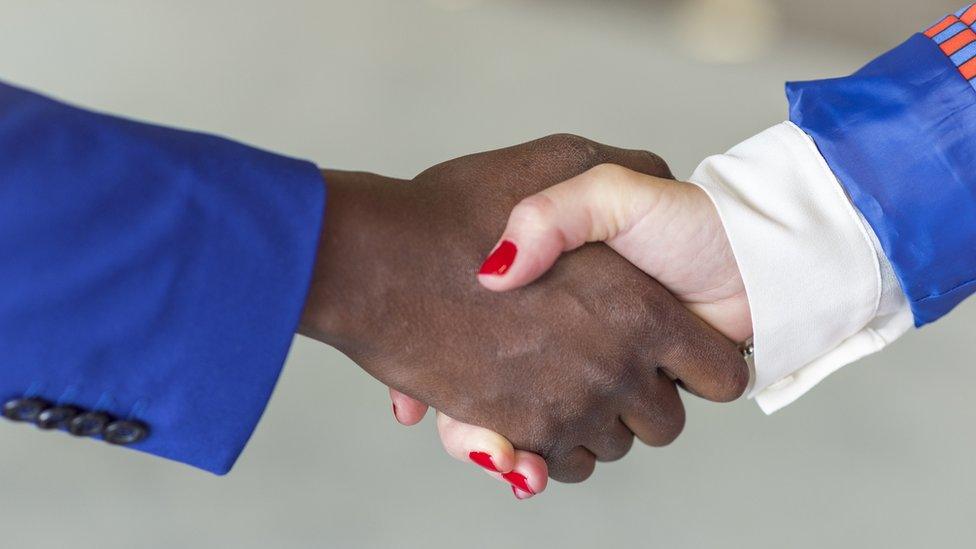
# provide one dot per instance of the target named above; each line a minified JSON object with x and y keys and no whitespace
{"x":151,"y":274}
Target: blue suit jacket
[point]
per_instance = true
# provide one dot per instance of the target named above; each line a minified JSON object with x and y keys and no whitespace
{"x":148,"y":273}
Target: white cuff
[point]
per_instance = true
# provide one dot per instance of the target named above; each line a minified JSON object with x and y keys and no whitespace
{"x":822,"y":293}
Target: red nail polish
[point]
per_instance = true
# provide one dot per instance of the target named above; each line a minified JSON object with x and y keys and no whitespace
{"x":483,"y":459}
{"x":500,"y":260}
{"x":518,"y":480}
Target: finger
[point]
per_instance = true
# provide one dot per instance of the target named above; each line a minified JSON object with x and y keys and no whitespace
{"x":406,"y":410}
{"x":526,"y":473}
{"x":575,"y":465}
{"x":613,"y":442}
{"x":596,"y":205}
{"x":712,"y":368}
{"x":477,"y":445}
{"x":655,"y":415}
{"x":528,"y":477}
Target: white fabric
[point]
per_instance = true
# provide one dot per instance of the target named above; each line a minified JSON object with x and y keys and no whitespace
{"x":822,"y":292}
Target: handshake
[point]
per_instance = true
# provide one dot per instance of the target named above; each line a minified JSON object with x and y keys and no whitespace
{"x":610,"y":287}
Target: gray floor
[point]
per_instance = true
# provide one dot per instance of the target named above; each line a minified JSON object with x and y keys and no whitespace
{"x":879,"y":455}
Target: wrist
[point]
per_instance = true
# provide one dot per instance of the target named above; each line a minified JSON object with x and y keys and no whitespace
{"x":350,"y":261}
{"x":680,"y":240}
{"x":727,"y":300}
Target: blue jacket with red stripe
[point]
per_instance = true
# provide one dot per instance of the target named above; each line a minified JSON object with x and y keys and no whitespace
{"x":900,"y":135}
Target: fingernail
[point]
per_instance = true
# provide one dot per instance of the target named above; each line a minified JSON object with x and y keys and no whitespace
{"x":519,"y":495}
{"x":395,"y":416}
{"x":518,"y":480}
{"x":500,"y":260}
{"x":483,"y":459}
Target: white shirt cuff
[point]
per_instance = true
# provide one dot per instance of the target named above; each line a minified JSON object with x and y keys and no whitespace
{"x":821,"y":291}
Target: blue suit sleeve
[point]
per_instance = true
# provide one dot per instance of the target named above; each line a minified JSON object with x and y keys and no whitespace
{"x":149,"y":273}
{"x":900,"y":135}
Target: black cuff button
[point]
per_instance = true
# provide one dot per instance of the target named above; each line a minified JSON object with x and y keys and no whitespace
{"x":57,"y":417}
{"x":124,"y":433}
{"x":24,"y":409}
{"x":88,"y":424}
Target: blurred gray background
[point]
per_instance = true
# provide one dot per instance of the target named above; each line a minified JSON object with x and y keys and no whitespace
{"x":880,"y":455}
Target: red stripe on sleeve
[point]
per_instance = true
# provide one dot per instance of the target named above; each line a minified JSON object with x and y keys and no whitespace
{"x":970,"y":16}
{"x":941,"y":26}
{"x":958,"y":41}
{"x":968,"y":69}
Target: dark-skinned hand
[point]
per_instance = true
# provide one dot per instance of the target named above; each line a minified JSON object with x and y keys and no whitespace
{"x":570,"y":367}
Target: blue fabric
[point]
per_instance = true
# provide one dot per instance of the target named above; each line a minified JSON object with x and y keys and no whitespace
{"x":152,"y":273}
{"x":900,"y":135}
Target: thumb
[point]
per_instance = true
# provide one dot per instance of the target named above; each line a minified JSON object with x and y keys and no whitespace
{"x":595,"y":206}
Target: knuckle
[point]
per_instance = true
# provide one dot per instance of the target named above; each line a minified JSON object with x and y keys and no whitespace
{"x":606,"y":377}
{"x":547,"y":437}
{"x":655,"y":164}
{"x":581,"y":150}
{"x":616,"y":447}
{"x":736,"y":380}
{"x":565,"y":140}
{"x":669,"y":428}
{"x":536,"y":212}
{"x":657,"y":315}
{"x":545,"y":433}
{"x":609,"y":179}
{"x":608,"y":174}
{"x":728,"y":374}
{"x":571,"y":467}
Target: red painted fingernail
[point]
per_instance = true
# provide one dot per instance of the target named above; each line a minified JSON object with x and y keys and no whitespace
{"x":483,"y":459}
{"x":518,"y":480}
{"x":500,"y":260}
